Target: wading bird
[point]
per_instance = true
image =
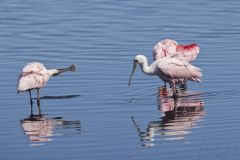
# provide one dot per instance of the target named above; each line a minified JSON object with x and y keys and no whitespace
{"x":34,"y":76}
{"x":171,"y":70}
{"x":168,"y":47}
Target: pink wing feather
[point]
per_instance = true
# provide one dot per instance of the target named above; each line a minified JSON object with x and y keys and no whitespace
{"x":34,"y":67}
{"x":172,"y":68}
{"x":168,"y":48}
{"x":188,"y":52}
{"x":164,"y":48}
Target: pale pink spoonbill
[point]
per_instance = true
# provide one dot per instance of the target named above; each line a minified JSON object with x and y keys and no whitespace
{"x":171,"y":70}
{"x":168,"y":47}
{"x":34,"y":76}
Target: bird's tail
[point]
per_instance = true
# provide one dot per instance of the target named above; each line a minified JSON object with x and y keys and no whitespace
{"x":196,"y":73}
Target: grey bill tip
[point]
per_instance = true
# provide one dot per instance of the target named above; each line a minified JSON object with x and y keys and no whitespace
{"x":72,"y":67}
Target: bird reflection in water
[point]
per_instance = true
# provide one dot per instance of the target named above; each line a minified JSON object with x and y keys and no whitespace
{"x":180,"y":116}
{"x":41,"y":129}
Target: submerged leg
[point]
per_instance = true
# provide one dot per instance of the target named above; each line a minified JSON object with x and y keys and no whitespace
{"x":31,"y":102}
{"x":175,"y":104}
{"x":38,"y":102}
{"x":175,"y":91}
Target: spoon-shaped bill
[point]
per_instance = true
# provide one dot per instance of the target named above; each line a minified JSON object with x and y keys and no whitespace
{"x":71,"y":68}
{"x":135,"y":63}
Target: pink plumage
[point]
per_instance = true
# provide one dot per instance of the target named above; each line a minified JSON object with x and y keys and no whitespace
{"x":174,"y":70}
{"x":34,"y":76}
{"x":170,"y":48}
{"x":33,"y":67}
{"x":169,"y":69}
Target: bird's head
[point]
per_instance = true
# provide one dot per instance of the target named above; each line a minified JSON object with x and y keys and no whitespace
{"x":139,"y":59}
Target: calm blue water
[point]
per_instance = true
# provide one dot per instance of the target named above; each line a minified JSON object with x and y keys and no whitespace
{"x":110,"y":120}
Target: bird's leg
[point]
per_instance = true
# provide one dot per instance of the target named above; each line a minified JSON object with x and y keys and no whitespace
{"x":183,"y":85}
{"x":165,"y":84}
{"x":171,"y":85}
{"x":38,"y":102}
{"x":175,"y":104}
{"x":175,"y":91}
{"x":31,"y":102}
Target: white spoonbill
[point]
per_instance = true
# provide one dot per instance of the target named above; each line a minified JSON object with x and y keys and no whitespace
{"x":168,"y":47}
{"x":34,"y":76}
{"x":171,"y":70}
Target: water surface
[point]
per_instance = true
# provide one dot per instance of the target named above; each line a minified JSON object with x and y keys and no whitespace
{"x":117,"y":121}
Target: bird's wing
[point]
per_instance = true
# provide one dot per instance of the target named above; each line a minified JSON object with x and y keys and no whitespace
{"x":32,"y":81}
{"x":158,"y":51}
{"x":164,"y":48}
{"x":33,"y":67}
{"x":187,"y":53}
{"x":177,"y":69}
{"x":33,"y":76}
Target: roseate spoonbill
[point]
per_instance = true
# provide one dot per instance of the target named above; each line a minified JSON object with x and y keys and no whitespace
{"x":168,"y":47}
{"x":171,"y":70}
{"x":34,"y":76}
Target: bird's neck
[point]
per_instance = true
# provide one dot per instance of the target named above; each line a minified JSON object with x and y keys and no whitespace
{"x":55,"y":72}
{"x":145,"y":68}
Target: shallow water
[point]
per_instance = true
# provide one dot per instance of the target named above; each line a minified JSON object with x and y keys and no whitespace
{"x":93,"y":114}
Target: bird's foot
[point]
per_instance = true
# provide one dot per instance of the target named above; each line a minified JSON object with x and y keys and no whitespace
{"x":37,"y":115}
{"x":40,"y":115}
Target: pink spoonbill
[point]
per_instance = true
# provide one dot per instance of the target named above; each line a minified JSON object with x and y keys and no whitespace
{"x":171,"y":70}
{"x":34,"y":76}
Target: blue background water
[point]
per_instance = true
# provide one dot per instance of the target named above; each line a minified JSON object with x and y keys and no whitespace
{"x":102,"y":37}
